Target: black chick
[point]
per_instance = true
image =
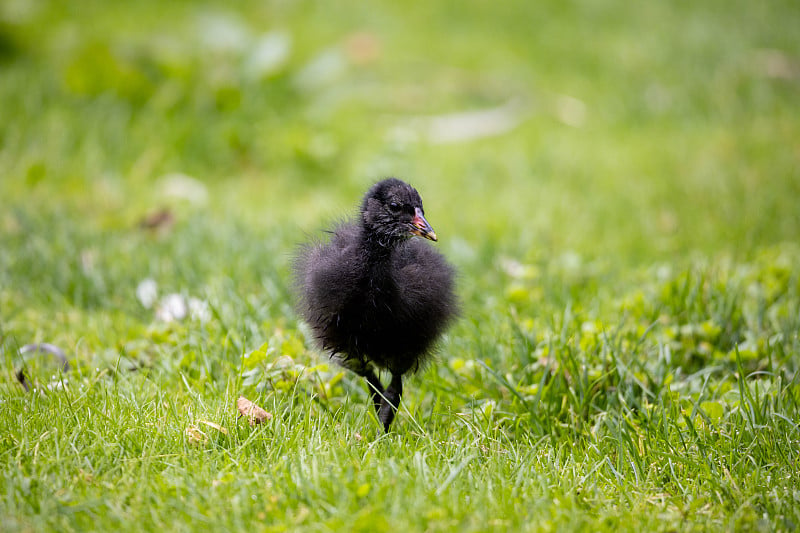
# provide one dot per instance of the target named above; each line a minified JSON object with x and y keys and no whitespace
{"x":375,"y":298}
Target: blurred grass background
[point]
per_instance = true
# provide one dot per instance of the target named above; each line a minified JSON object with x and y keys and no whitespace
{"x":635,"y":132}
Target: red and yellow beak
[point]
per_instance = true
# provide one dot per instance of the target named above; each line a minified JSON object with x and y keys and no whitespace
{"x":421,"y":227}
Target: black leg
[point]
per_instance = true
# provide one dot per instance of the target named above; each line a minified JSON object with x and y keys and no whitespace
{"x":391,"y":401}
{"x":375,"y":389}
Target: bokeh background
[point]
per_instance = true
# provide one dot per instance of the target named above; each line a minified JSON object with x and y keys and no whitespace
{"x":607,"y":129}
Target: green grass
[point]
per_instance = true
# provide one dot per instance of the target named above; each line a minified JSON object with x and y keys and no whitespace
{"x":627,"y":358}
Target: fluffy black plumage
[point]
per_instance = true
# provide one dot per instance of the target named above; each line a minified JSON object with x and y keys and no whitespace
{"x":374,"y":297}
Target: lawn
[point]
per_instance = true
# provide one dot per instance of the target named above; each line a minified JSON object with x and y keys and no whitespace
{"x":617,"y":185}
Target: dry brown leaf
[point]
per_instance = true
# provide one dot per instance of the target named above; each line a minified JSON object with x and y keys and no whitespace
{"x":163,"y":219}
{"x":255,"y":414}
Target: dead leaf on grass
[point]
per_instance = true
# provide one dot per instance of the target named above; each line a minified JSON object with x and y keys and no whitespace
{"x":255,"y":414}
{"x":162,"y":219}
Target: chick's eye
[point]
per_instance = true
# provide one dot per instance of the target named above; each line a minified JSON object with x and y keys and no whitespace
{"x":394,"y":207}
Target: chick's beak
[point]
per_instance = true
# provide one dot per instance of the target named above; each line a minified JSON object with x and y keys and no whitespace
{"x":420,"y":226}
